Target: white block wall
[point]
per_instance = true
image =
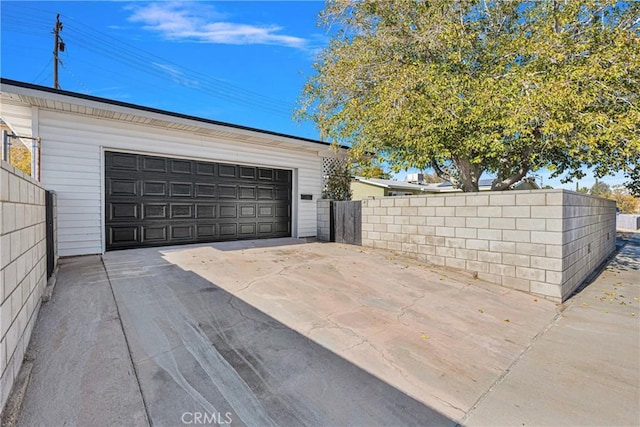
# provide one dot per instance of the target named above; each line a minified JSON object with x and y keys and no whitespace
{"x":22,"y":268}
{"x":324,"y":225}
{"x":540,"y":241}
{"x":72,"y":166}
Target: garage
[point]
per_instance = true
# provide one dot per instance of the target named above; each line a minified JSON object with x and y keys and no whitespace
{"x":130,"y":176}
{"x":154,"y":201}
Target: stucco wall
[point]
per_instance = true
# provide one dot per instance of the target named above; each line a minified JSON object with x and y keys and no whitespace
{"x":542,"y":241}
{"x":23,"y":268}
{"x":360,"y":191}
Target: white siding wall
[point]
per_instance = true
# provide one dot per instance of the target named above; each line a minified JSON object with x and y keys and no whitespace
{"x":72,"y":166}
{"x":18,"y":117}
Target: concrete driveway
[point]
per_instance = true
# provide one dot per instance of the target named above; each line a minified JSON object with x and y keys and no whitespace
{"x":283,"y":332}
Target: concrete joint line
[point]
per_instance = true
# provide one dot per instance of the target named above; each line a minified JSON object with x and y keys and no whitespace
{"x":126,"y":340}
{"x":507,"y":371}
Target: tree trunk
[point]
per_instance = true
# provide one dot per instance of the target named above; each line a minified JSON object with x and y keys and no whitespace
{"x":469,"y":174}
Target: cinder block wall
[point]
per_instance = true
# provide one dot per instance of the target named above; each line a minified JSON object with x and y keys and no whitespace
{"x":324,"y":220}
{"x":628,"y":222}
{"x":540,"y":241}
{"x":23,"y":268}
{"x":589,"y":236}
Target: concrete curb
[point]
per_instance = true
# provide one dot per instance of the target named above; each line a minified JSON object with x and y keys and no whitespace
{"x":16,"y":397}
{"x":51,"y":284}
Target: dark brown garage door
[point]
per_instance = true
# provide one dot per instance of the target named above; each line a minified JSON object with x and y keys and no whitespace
{"x":152,"y":201}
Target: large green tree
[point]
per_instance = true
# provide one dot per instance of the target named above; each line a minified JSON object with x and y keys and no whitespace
{"x":467,"y":88}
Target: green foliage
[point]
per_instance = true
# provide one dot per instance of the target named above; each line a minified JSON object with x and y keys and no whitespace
{"x":21,"y":157}
{"x":626,"y":202}
{"x":600,"y":189}
{"x":339,"y":184}
{"x":472,"y":87}
{"x":633,"y":185}
{"x":431,"y":177}
{"x":370,"y":169}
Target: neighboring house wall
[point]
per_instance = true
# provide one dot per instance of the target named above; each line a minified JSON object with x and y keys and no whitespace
{"x":361,"y":191}
{"x":72,"y":166}
{"x":23,"y":268}
{"x":543,"y":241}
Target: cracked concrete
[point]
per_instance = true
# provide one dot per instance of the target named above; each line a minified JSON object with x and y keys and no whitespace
{"x":440,"y":336}
{"x":283,"y":333}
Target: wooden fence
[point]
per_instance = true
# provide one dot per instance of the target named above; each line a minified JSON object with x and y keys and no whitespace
{"x":346,"y":222}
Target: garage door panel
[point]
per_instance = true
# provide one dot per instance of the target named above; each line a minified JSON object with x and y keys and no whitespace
{"x":228,"y":211}
{"x":154,"y":210}
{"x":247,"y":192}
{"x":247,"y":230}
{"x":122,"y":187}
{"x":266,"y":193}
{"x":205,"y":169}
{"x":123,"y":235}
{"x":266,"y":211}
{"x":283,"y":227}
{"x":154,"y":188}
{"x":204,"y":211}
{"x":227,"y":171}
{"x":206,"y":231}
{"x":182,"y":232}
{"x":283,"y":176}
{"x":247,"y":211}
{"x":123,"y":211}
{"x":283,"y":211}
{"x":182,"y":167}
{"x":228,"y":230}
{"x":123,"y":161}
{"x":265,"y":228}
{"x":265,"y":174}
{"x":247,"y":172}
{"x":180,"y":210}
{"x":154,"y":234}
{"x":283,"y":193}
{"x":227,"y":191}
{"x":154,"y":201}
{"x":205,"y":190}
{"x":181,"y":189}
{"x":154,"y":164}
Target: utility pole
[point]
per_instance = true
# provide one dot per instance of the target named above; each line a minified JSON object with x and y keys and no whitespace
{"x":58,"y":46}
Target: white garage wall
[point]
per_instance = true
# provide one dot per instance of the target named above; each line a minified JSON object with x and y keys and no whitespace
{"x":18,"y":117}
{"x":72,"y":166}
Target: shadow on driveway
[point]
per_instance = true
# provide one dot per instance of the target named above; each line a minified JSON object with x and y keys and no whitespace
{"x":198,"y":349}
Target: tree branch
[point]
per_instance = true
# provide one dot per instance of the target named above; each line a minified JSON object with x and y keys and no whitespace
{"x":508,"y":182}
{"x":442,"y":174}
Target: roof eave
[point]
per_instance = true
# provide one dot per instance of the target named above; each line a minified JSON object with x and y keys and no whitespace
{"x":36,"y":91}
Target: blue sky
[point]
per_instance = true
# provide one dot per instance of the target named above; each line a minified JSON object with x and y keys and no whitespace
{"x":238,"y":62}
{"x":235,"y":61}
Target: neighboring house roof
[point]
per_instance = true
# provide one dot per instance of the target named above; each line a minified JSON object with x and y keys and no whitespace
{"x":388,"y":183}
{"x":446,"y":186}
{"x":62,"y":100}
{"x":440,"y":187}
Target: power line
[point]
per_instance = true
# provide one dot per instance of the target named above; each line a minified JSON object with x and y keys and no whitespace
{"x":81,"y":36}
{"x":43,"y":69}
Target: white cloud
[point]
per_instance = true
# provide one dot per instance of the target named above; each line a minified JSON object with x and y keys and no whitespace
{"x":176,"y":75}
{"x":201,"y":23}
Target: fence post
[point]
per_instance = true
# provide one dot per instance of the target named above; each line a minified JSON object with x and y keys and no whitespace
{"x":6,"y":147}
